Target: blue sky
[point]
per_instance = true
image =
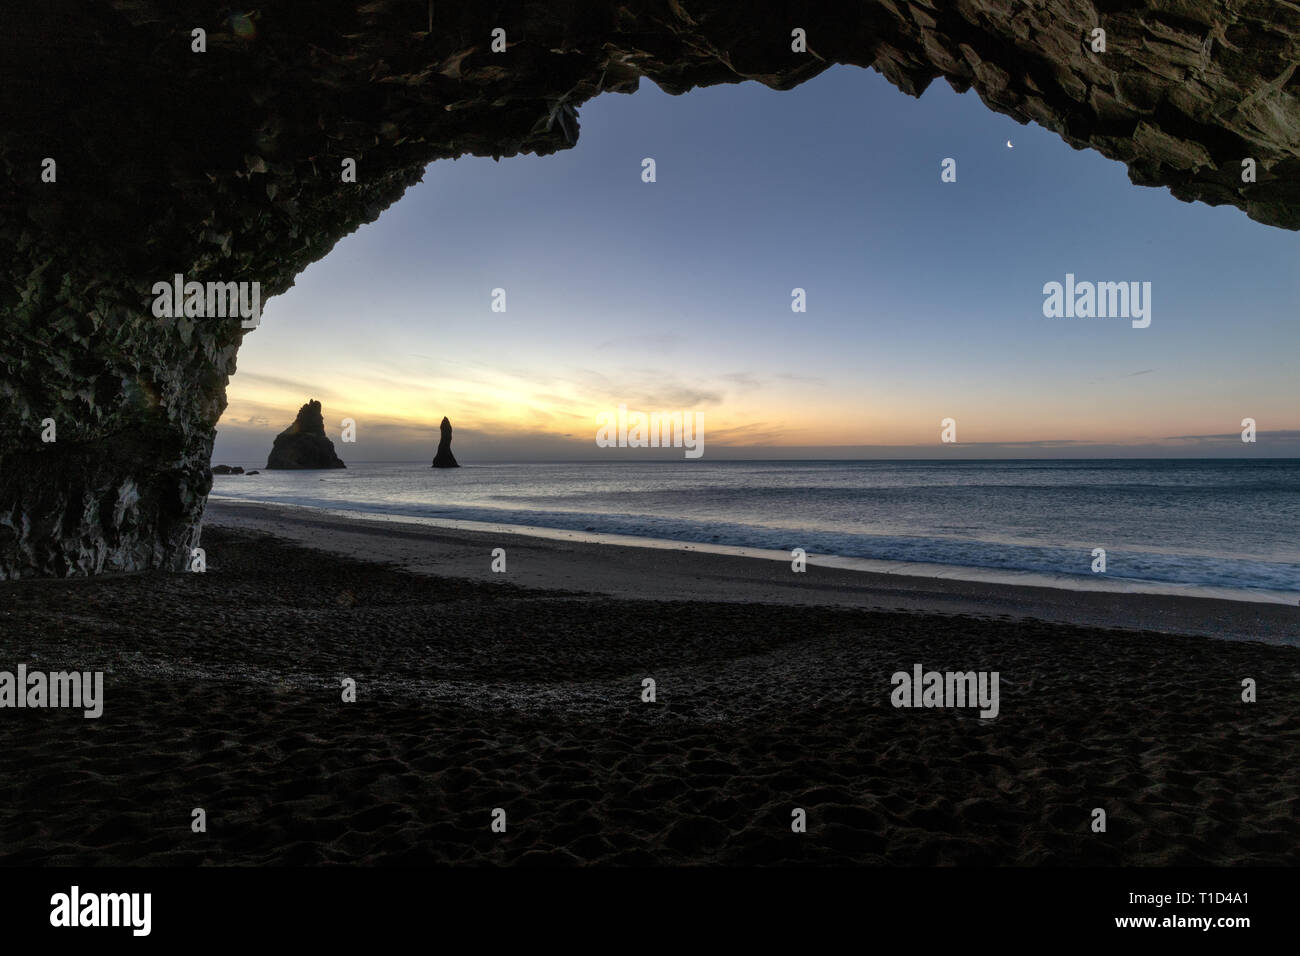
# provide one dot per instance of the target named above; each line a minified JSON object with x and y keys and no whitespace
{"x":924,"y":298}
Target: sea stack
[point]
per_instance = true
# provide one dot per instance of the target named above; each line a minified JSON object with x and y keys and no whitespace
{"x":444,"y":458}
{"x":304,"y":443}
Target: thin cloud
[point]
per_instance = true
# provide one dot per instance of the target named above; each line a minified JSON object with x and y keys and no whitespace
{"x":753,"y":433}
{"x":293,"y":385}
{"x":1112,"y":378}
{"x":647,"y":391}
{"x":665,"y":341}
{"x":743,"y":379}
{"x":1282,"y":433}
{"x":806,"y":379}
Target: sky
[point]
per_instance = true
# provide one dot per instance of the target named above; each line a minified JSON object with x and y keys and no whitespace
{"x":924,"y":299}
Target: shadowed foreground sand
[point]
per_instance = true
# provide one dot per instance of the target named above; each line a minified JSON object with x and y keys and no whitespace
{"x":223,"y":693}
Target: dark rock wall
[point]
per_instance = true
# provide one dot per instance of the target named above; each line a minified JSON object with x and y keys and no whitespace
{"x":304,"y":444}
{"x":442,"y":457}
{"x":225,"y":165}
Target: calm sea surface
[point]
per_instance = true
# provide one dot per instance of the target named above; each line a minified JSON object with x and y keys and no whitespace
{"x":1229,"y":524}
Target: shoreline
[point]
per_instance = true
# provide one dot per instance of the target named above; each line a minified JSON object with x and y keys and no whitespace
{"x":619,"y":566}
{"x":921,"y":569}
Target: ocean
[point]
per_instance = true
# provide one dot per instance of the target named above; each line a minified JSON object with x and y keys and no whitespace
{"x":1225,"y":525}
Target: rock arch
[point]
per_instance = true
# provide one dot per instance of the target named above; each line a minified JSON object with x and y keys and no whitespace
{"x":226,"y":165}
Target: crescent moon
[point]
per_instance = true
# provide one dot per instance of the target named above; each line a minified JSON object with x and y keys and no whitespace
{"x":1009,"y":146}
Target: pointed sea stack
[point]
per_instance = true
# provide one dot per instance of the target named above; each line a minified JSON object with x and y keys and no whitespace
{"x":444,"y":458}
{"x":304,"y":444}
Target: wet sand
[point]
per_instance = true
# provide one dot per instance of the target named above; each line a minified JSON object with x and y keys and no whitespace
{"x":658,"y":574}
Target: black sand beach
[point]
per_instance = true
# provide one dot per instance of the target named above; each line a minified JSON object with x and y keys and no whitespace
{"x":223,"y":691}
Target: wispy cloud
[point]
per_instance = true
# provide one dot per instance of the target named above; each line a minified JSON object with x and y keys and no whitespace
{"x":754,"y":433}
{"x":1282,"y":434}
{"x":663,"y":341}
{"x":806,"y":379}
{"x":311,"y":389}
{"x":645,"y":390}
{"x":1112,"y":378}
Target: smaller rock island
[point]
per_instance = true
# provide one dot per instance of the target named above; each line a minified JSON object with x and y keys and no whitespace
{"x":443,"y":458}
{"x":304,"y":445}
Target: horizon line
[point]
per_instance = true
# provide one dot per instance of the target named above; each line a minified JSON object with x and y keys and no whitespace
{"x":666,"y":460}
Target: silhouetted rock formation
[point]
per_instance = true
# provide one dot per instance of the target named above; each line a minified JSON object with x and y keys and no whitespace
{"x":444,"y":458}
{"x":224,"y":166}
{"x":227,"y":470}
{"x":304,"y":443}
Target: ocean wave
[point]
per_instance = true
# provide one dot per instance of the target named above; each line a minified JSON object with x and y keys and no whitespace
{"x":1123,"y":562}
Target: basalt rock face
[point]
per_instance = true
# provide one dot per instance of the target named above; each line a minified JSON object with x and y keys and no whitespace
{"x":443,"y":458}
{"x":225,"y":165}
{"x":304,"y":444}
